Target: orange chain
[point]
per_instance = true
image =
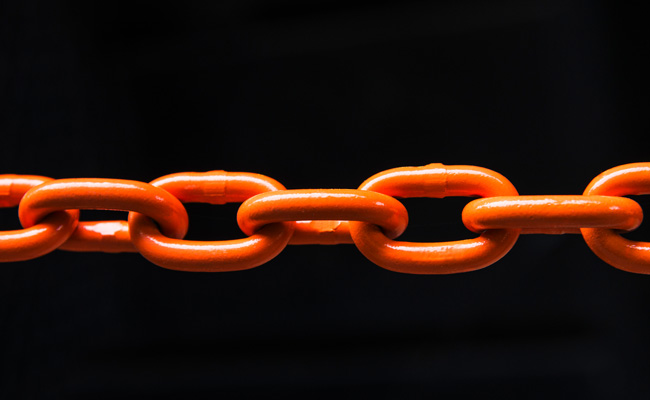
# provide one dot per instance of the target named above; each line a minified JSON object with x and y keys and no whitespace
{"x":370,"y":217}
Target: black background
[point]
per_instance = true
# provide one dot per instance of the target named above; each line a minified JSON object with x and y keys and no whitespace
{"x":324,"y":94}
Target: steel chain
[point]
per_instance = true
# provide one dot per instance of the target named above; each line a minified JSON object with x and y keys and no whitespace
{"x":370,"y":217}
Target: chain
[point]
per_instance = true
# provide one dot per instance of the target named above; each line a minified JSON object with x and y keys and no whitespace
{"x":272,"y":217}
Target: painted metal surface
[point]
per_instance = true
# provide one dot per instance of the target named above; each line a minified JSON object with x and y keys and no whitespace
{"x":40,"y":238}
{"x":323,"y":205}
{"x":607,"y":243}
{"x":272,"y":217}
{"x":552,"y":214}
{"x":216,"y":187}
{"x":104,"y":194}
{"x":438,"y":181}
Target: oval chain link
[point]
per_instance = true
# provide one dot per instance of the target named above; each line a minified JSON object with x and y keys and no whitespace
{"x":607,"y":243}
{"x":104,"y":194}
{"x":216,"y":187}
{"x":46,"y":235}
{"x":437,"y":181}
{"x":370,"y":217}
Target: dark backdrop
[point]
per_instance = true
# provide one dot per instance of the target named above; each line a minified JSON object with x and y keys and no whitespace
{"x":324,"y":94}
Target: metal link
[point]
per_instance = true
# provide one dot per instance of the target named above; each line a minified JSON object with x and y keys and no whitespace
{"x":369,"y":217}
{"x":323,"y":205}
{"x":552,"y":214}
{"x":609,"y":245}
{"x":435,"y":180}
{"x":104,"y":194}
{"x":216,"y":187}
{"x":42,"y":237}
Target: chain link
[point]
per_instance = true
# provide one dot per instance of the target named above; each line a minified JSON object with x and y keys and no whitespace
{"x":272,"y":217}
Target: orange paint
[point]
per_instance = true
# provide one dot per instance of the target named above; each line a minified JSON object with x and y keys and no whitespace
{"x":323,"y":205}
{"x":438,"y":181}
{"x":103,"y":194}
{"x":215,"y":187}
{"x":101,"y":236}
{"x":608,"y":244}
{"x":552,"y":214}
{"x":370,"y":217}
{"x":40,"y":238}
